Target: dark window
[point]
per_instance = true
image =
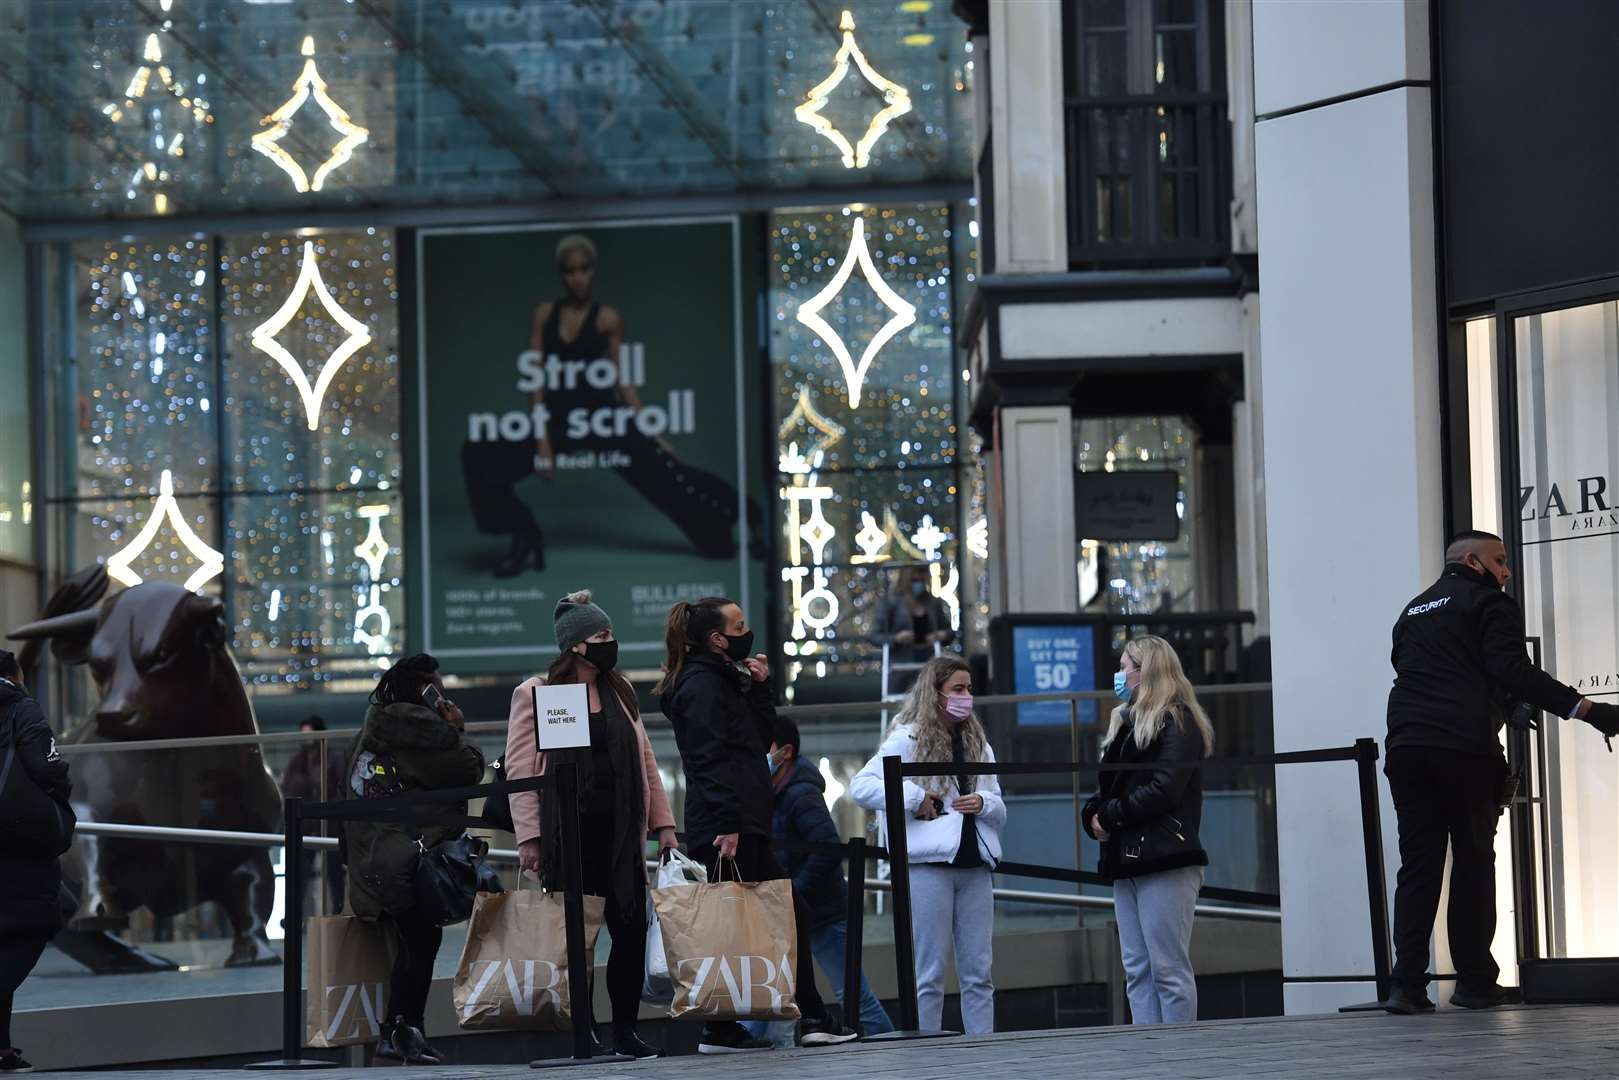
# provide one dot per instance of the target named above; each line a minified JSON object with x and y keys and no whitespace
{"x":1147,"y":130}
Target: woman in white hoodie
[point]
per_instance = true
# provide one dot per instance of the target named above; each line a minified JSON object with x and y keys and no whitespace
{"x":953,"y":836}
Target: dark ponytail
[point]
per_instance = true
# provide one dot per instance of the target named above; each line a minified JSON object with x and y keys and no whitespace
{"x":404,"y":680}
{"x":688,"y":626}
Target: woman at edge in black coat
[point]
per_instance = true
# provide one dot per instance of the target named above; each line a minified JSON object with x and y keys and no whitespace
{"x":29,"y":884}
{"x":1147,"y":821}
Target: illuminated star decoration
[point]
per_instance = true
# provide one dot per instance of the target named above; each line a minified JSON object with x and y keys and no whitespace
{"x":947,"y":589}
{"x":373,"y":549}
{"x":978,"y":538}
{"x":264,"y":336}
{"x":213,"y":562}
{"x":809,"y":312}
{"x":804,"y":409}
{"x":897,"y":97}
{"x":151,"y":171}
{"x":309,"y":84}
{"x":872,"y":541}
{"x":929,"y":538}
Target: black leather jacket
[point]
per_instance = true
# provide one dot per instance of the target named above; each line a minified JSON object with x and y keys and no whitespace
{"x":1152,"y":814}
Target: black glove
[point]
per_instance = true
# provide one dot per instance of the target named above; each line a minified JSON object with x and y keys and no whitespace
{"x":1523,"y":716}
{"x":1603,"y":717}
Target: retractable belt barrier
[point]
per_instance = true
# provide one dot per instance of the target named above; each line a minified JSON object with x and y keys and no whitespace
{"x":410,"y":809}
{"x":1363,"y":753}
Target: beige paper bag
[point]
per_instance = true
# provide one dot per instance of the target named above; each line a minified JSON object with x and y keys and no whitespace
{"x":514,"y":967}
{"x":350,"y":965}
{"x":731,"y":949}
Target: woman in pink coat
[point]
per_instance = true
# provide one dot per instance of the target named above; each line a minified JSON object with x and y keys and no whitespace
{"x":621,"y":799}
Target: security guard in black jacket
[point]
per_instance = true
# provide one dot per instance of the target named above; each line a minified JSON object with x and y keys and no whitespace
{"x":1461,"y":670}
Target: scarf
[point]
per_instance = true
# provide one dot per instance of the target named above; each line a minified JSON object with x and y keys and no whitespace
{"x":628,"y":849}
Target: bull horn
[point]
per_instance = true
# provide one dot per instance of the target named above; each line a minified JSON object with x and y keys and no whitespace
{"x":77,"y":622}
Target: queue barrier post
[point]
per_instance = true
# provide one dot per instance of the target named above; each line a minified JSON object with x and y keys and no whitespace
{"x":292,"y":949}
{"x":899,"y":868}
{"x":855,"y":929}
{"x":1371,"y":827}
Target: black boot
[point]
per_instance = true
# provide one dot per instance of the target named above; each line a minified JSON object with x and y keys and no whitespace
{"x":628,"y":1043}
{"x":527,"y":547}
{"x":1407,"y":1001}
{"x":1486,"y":996}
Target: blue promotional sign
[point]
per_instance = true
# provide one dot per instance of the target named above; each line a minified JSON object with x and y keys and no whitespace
{"x":1053,"y":659}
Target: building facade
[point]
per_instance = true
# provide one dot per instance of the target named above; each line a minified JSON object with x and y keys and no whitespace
{"x":1439,"y":278}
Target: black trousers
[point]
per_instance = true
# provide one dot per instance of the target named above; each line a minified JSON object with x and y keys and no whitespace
{"x":625,"y":918}
{"x":419,"y":943}
{"x":754,"y":862}
{"x":18,"y":955}
{"x":701,"y":505}
{"x":1445,"y":799}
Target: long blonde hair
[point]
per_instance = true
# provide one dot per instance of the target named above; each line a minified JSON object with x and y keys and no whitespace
{"x":931,"y":725}
{"x":1164,"y":696}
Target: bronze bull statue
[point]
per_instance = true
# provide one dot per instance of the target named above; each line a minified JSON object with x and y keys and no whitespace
{"x":161,"y":662}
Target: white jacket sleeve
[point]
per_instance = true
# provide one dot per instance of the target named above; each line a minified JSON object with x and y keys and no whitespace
{"x":867,"y":787}
{"x":989,"y":786}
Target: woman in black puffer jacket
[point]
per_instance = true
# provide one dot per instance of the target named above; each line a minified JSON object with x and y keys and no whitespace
{"x":1147,"y":821}
{"x":413,"y":740}
{"x":30,"y":879}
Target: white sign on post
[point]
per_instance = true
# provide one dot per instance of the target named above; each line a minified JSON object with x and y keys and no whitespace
{"x":561,"y":716}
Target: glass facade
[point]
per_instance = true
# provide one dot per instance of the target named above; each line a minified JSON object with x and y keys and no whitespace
{"x":217,"y":361}
{"x":868,"y":445}
{"x":1130,"y":577}
{"x":164,"y":379}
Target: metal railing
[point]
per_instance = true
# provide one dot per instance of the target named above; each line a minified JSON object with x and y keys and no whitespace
{"x":1364,"y":753}
{"x":507,"y":855}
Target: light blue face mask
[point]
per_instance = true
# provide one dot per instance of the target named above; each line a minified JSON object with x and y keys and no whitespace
{"x":1119,"y":686}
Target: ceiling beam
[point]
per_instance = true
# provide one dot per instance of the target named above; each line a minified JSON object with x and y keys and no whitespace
{"x":445,"y":62}
{"x":618,"y":208}
{"x":671,"y":83}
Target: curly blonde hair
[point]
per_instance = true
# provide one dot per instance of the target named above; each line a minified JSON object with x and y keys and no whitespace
{"x":931,"y":726}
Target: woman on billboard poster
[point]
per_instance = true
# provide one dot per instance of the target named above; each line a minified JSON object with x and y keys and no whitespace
{"x":568,"y":334}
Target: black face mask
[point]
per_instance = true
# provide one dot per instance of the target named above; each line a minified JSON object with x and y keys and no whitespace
{"x":739,"y":648}
{"x":1487,"y":579}
{"x":603,"y":655}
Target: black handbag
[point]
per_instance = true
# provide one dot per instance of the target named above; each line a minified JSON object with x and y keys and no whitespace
{"x":33,"y":825}
{"x":497,"y":808}
{"x":449,"y":877}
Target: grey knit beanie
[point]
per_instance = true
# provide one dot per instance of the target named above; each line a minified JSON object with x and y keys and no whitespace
{"x":577,"y":619}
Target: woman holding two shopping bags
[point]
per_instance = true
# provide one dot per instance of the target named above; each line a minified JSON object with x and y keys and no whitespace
{"x":952,"y":835}
{"x":621,"y":799}
{"x":1147,"y":821}
{"x":716,"y":693}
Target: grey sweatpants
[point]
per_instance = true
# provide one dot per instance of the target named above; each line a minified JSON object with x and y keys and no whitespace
{"x":949,"y":905}
{"x":1155,"y":937}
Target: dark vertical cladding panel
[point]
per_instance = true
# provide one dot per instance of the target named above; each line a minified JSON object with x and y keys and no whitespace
{"x":1530,"y":96}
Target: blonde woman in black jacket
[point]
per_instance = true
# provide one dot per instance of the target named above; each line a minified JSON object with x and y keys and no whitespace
{"x":1147,"y":821}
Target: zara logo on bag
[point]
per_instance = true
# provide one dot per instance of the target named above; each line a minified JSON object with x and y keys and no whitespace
{"x":527,"y":1000}
{"x":737,"y":974}
{"x":362,"y":1003}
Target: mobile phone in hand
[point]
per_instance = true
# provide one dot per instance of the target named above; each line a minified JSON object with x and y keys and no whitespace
{"x":432,"y":698}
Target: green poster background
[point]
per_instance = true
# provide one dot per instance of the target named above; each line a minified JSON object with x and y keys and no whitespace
{"x":675,"y":286}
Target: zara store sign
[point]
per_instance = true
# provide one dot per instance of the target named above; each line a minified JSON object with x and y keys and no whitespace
{"x":1582,"y":506}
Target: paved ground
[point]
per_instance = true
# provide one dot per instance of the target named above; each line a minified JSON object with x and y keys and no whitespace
{"x":1524,"y":1042}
